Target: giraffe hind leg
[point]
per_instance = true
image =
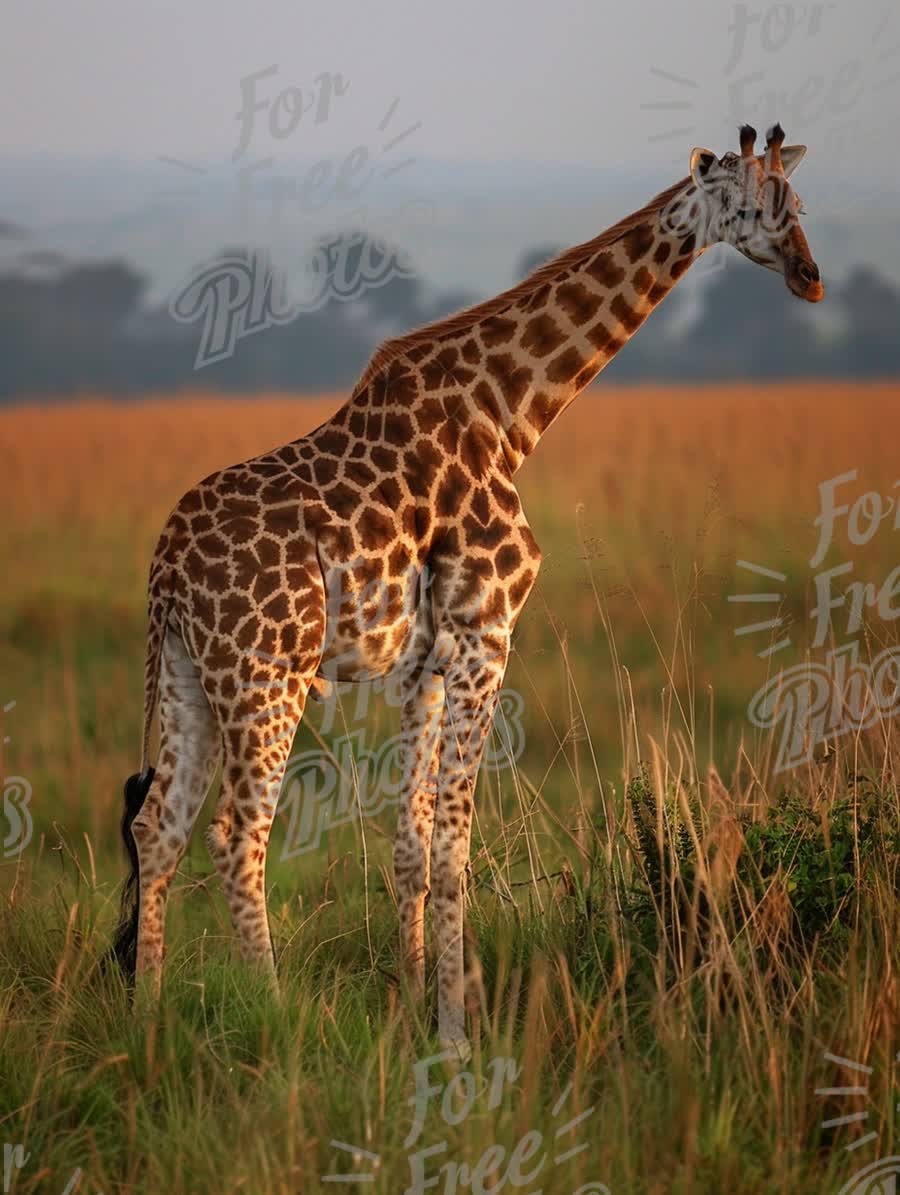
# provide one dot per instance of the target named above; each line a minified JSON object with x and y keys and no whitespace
{"x":161,"y":809}
{"x":257,"y":734}
{"x":256,"y":756}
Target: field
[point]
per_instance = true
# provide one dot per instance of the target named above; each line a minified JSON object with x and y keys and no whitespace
{"x":677,"y":943}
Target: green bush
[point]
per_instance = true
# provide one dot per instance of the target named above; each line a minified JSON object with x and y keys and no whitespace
{"x":820,"y":857}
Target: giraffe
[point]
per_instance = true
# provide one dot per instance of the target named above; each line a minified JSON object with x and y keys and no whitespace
{"x":392,"y":540}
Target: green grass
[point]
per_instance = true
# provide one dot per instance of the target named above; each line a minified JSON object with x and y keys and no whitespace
{"x":699,"y":1064}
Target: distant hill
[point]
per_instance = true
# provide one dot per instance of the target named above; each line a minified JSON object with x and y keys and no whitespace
{"x":67,"y":327}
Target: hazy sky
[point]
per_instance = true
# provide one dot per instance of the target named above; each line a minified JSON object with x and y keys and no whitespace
{"x":564,"y":81}
{"x":514,"y":124}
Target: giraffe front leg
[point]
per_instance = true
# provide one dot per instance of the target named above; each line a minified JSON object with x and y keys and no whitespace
{"x":421,"y":722}
{"x":472,"y":684}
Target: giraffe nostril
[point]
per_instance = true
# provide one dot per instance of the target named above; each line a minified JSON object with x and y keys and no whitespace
{"x":808,"y":272}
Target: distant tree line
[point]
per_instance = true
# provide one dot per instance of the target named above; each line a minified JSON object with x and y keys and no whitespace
{"x":69,"y":328}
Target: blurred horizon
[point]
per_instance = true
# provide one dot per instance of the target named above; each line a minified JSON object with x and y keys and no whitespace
{"x":471,"y":225}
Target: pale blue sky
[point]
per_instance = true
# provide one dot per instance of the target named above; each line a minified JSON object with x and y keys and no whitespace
{"x":562,"y":81}
{"x":533,"y":122}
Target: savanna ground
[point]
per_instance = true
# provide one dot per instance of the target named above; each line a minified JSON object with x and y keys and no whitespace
{"x":671,"y":934}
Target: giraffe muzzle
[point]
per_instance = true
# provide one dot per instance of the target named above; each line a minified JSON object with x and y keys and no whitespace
{"x":802,"y":277}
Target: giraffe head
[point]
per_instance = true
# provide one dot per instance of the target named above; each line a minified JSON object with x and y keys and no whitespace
{"x":749,"y":203}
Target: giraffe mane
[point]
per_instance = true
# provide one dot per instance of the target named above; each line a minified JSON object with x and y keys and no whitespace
{"x":389,"y":350}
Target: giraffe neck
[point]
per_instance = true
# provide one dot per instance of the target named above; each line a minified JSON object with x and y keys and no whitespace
{"x":544,"y":348}
{"x":520,"y":358}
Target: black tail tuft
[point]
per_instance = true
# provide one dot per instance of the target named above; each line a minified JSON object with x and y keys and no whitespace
{"x":124,"y":947}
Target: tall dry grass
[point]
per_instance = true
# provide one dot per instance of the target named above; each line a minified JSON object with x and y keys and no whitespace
{"x":668,"y":932}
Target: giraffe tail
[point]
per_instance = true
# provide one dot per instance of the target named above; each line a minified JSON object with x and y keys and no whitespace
{"x":124,"y":946}
{"x":160,"y":603}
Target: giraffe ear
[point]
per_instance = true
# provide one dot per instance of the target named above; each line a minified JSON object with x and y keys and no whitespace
{"x":702,"y":162}
{"x":791,"y":157}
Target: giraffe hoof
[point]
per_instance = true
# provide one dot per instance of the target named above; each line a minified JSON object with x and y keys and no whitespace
{"x":458,"y":1045}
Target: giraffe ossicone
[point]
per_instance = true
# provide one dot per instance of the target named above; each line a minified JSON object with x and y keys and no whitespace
{"x":261,"y":588}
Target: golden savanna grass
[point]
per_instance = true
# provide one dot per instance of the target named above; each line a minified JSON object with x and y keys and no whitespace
{"x":660,"y":918}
